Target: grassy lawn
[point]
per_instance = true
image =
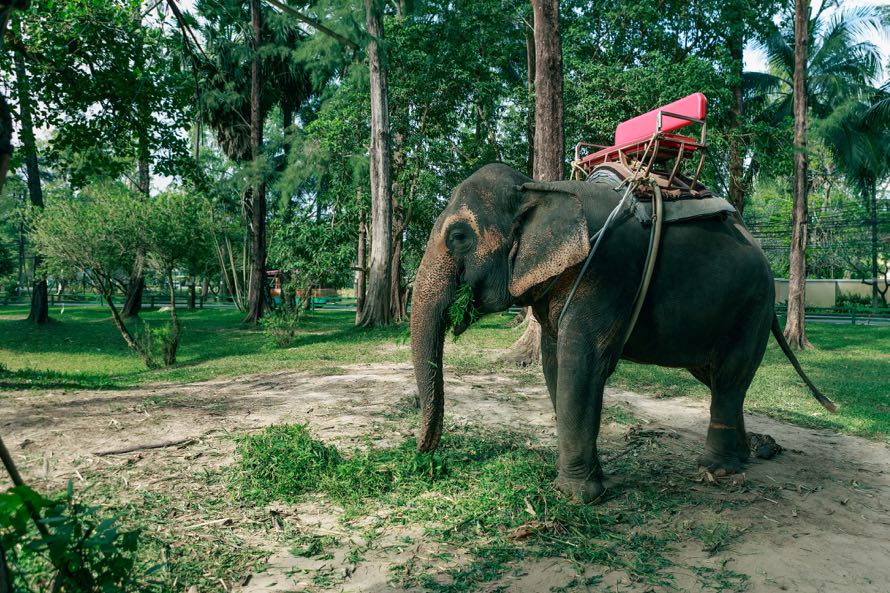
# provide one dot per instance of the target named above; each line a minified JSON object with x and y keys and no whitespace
{"x":81,"y":349}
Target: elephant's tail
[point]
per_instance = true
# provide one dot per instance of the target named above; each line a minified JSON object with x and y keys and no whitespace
{"x":783,"y":344}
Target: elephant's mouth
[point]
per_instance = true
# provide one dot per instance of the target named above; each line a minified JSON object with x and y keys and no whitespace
{"x":464,"y":312}
{"x":462,"y":325}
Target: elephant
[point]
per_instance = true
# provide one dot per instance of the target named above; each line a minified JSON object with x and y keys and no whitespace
{"x":709,"y":308}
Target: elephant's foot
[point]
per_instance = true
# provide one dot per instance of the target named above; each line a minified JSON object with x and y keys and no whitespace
{"x":720,"y":464}
{"x":582,"y":491}
{"x":726,"y":450}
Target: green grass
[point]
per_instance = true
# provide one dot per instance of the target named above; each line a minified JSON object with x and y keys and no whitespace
{"x":81,"y":349}
{"x":849,"y":363}
{"x":487,"y":495}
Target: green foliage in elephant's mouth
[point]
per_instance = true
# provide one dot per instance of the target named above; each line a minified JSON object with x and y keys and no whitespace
{"x":462,"y":312}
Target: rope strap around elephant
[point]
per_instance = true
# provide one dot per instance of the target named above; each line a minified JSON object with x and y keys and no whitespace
{"x":651,"y":255}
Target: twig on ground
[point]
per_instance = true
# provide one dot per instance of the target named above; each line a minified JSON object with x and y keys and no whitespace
{"x":143,"y":446}
{"x":225,"y":521}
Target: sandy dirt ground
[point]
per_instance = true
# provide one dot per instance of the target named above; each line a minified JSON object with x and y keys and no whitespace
{"x":818,"y":521}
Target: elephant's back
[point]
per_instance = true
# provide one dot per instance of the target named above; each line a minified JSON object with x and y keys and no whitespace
{"x":712,"y":284}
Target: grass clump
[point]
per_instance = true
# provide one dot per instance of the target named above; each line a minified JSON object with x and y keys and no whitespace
{"x":285,"y":462}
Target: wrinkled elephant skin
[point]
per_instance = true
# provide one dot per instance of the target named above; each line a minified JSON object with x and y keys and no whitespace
{"x":709,"y":308}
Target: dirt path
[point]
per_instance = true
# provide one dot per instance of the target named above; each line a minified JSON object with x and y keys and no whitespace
{"x":819,"y":519}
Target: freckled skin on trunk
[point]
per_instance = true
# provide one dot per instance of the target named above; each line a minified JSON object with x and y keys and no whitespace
{"x":433,"y":291}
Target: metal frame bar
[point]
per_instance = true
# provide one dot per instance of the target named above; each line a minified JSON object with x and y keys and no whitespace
{"x":650,"y":153}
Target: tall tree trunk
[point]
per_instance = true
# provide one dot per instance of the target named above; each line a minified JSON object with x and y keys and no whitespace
{"x":549,"y":140}
{"x":136,"y":283}
{"x":21,"y":247}
{"x":192,"y":290}
{"x":256,"y":292}
{"x":873,"y":223}
{"x":376,"y":310}
{"x":360,"y":263}
{"x":737,"y":189}
{"x":5,"y":116}
{"x":795,"y":325}
{"x":5,"y":139}
{"x":39,"y":298}
{"x":395,"y":288}
{"x":530,"y":85}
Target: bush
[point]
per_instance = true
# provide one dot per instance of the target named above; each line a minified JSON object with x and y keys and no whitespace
{"x":281,"y":326}
{"x":847,"y":299}
{"x":160,"y":344}
{"x":9,"y":289}
{"x":82,"y":553}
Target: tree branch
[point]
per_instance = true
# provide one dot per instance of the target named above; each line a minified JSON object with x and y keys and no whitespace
{"x":315,"y":24}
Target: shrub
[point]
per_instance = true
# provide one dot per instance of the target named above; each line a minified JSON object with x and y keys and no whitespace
{"x":281,"y":326}
{"x":82,"y":552}
{"x":848,"y":298}
{"x":160,"y":344}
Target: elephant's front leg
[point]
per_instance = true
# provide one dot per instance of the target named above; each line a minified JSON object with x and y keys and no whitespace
{"x":579,"y":401}
{"x":550,"y":363}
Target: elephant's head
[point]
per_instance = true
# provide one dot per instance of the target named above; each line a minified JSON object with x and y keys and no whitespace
{"x":502,"y":236}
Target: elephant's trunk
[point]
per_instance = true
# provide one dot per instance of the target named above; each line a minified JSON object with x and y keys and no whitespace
{"x":434,"y":289}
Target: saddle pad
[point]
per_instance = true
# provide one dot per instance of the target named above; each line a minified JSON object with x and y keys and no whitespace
{"x":674,"y":210}
{"x":680,"y":189}
{"x":683,"y":210}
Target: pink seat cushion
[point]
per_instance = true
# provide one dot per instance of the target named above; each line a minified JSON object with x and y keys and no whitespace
{"x":643,"y":126}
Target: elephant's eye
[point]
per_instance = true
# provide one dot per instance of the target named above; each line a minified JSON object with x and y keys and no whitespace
{"x":460,"y":238}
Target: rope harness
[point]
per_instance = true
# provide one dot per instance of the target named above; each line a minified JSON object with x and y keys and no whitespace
{"x":651,"y":256}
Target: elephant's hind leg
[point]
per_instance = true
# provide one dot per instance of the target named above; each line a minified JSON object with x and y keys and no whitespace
{"x":726,"y":447}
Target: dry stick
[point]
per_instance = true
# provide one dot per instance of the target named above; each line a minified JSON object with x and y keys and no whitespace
{"x":5,"y":574}
{"x":32,"y":512}
{"x":156,"y":445}
{"x":17,"y":481}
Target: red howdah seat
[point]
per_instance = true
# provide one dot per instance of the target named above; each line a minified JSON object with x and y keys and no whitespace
{"x":647,"y":139}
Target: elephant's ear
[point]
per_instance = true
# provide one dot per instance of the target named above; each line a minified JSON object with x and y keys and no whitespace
{"x":550,"y":235}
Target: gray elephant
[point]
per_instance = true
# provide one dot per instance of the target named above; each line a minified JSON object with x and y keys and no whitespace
{"x":709,"y":308}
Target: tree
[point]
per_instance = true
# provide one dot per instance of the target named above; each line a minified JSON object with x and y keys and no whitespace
{"x":175,"y":237}
{"x":858,"y":136}
{"x":245,"y":72}
{"x":820,"y":58}
{"x":105,"y":78}
{"x":795,"y":324}
{"x":549,"y":140}
{"x":256,"y":291}
{"x":96,"y":234}
{"x":39,"y":313}
{"x":5,"y":118}
{"x":376,"y":308}
{"x":740,"y":21}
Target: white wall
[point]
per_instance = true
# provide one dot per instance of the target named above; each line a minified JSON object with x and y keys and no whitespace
{"x":824,"y":293}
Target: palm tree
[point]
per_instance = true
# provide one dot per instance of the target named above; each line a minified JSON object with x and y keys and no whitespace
{"x":840,"y":64}
{"x":242,"y":82}
{"x":858,"y":136}
{"x":818,"y":65}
